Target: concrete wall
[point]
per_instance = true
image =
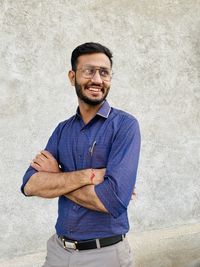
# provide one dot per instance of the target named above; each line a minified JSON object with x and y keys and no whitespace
{"x":156,"y":46}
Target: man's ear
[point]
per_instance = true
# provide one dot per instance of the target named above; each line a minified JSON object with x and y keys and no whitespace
{"x":71,"y":75}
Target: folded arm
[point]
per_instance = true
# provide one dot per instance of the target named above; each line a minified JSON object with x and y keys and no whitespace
{"x":50,"y":181}
{"x":51,"y":185}
{"x":87,"y":198}
{"x":84,"y":196}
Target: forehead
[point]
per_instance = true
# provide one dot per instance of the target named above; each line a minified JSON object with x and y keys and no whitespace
{"x":95,"y":59}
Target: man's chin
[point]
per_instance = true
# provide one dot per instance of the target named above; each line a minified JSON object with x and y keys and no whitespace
{"x":93,"y":102}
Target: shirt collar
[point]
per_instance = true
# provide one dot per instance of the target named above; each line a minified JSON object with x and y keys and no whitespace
{"x":104,"y":110}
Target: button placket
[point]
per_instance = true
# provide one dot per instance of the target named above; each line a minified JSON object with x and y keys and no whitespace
{"x":82,"y":140}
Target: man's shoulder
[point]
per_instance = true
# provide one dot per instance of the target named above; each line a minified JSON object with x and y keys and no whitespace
{"x":67,"y":121}
{"x":124,"y":122}
{"x":61,"y":125}
{"x":122,"y":115}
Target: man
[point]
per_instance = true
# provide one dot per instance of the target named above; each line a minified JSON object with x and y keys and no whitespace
{"x":90,"y":163}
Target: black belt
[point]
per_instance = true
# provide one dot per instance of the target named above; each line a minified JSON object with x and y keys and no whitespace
{"x":91,"y":243}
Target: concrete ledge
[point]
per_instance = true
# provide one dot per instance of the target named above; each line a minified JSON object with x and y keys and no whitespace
{"x":172,"y":247}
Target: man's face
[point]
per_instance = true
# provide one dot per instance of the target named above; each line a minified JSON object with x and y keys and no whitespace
{"x":92,"y":89}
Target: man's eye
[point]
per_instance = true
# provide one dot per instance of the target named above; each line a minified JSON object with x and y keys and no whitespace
{"x":88,"y":71}
{"x":105,"y":73}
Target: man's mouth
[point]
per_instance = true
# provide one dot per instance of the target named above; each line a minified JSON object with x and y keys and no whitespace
{"x":94,"y":88}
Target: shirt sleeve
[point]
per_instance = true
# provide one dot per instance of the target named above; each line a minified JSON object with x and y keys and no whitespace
{"x":51,"y":146}
{"x":119,"y":181}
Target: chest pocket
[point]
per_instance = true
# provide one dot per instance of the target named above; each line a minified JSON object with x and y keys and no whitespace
{"x":99,"y":157}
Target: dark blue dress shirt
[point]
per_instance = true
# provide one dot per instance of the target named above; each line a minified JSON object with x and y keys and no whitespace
{"x":110,"y":140}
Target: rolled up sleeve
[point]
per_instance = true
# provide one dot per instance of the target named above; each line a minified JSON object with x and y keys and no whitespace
{"x":51,"y":146}
{"x":121,"y":170}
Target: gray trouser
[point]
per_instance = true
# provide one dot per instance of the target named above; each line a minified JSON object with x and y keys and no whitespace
{"x":118,"y":255}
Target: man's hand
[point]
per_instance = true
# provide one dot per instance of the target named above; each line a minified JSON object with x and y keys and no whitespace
{"x":45,"y":162}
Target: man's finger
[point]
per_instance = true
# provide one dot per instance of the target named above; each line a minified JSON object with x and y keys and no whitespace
{"x":35,"y":166}
{"x":38,"y":161}
{"x":47,"y":154}
{"x":40,"y":157}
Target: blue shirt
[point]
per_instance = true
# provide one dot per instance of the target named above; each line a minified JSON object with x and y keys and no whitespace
{"x":115,"y":137}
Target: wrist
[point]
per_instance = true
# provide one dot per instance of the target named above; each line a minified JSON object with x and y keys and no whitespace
{"x":87,"y":176}
{"x":92,"y":176}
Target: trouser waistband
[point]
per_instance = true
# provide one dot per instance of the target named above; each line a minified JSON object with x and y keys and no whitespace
{"x":91,"y":243}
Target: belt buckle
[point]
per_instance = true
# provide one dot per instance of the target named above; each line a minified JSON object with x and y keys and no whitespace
{"x":67,"y":244}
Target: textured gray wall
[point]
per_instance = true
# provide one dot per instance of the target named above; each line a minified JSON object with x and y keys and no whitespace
{"x":156,"y":46}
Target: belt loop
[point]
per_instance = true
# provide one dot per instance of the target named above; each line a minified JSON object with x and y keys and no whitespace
{"x":98,"y":243}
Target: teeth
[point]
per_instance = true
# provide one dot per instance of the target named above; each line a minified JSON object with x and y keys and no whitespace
{"x":94,"y":89}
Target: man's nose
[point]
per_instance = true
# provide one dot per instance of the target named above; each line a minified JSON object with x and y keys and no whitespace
{"x":97,"y":77}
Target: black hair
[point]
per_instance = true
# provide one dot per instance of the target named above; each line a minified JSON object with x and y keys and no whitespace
{"x":89,"y":48}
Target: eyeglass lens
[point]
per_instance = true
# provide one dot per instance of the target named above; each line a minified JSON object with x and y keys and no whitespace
{"x":89,"y":72}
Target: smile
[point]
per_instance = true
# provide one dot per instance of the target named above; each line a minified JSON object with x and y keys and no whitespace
{"x":94,"y":89}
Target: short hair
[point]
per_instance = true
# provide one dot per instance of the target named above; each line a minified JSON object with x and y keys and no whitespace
{"x":89,"y":48}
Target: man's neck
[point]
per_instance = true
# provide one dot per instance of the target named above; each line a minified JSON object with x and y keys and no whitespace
{"x":88,"y":111}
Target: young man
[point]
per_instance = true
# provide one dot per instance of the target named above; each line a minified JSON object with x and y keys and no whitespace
{"x":90,"y":163}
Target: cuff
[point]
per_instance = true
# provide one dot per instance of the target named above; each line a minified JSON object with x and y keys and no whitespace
{"x":110,"y":200}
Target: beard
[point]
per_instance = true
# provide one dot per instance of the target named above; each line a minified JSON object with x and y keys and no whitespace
{"x":86,"y":99}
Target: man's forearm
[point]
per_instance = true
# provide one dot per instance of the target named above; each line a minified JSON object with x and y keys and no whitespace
{"x":87,"y":198}
{"x":51,"y":185}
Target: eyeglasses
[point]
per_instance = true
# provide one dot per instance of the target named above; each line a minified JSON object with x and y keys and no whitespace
{"x":88,"y":72}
